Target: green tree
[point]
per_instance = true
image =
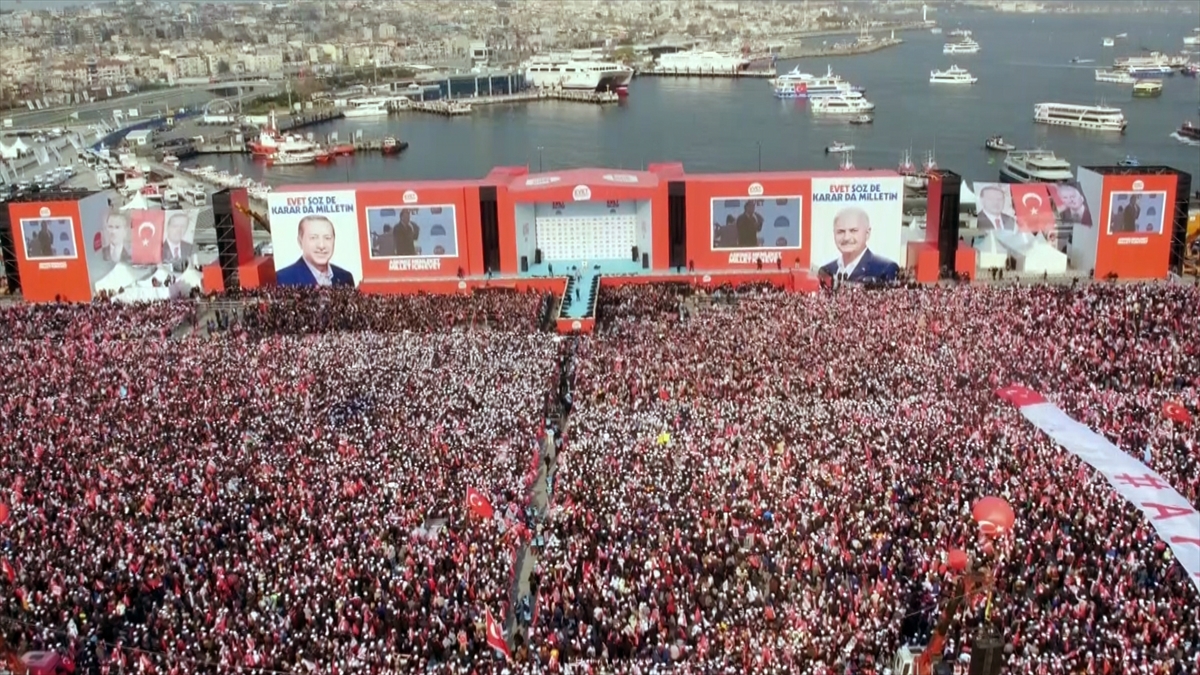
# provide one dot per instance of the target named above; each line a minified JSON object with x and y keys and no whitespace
{"x":222,"y":67}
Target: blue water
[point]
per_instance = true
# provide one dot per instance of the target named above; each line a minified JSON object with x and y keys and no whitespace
{"x":715,"y":125}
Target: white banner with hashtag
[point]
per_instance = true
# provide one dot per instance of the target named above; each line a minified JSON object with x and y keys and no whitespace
{"x":1173,"y":517}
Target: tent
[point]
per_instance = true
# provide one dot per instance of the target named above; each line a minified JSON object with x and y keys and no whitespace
{"x":20,"y":146}
{"x":1032,"y":253}
{"x":8,"y":152}
{"x":990,"y":253}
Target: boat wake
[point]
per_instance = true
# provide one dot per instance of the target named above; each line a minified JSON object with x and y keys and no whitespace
{"x":1185,"y":140}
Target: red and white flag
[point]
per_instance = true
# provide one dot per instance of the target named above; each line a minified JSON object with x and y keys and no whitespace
{"x":147,"y":229}
{"x":495,"y":638}
{"x":479,"y":504}
{"x":1175,"y":412}
{"x":1031,"y":204}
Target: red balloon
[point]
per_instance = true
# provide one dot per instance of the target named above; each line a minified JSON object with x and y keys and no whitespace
{"x":994,"y":515}
{"x":957,"y":560}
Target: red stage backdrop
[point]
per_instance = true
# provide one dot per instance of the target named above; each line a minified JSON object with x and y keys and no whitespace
{"x":1134,"y":227}
{"x":49,"y":241}
{"x":737,"y":220}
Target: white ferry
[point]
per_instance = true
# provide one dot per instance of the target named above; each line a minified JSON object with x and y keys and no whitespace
{"x":579,"y":75}
{"x":1152,"y":60}
{"x":1035,"y":166}
{"x":797,"y":84}
{"x":1153,"y":72}
{"x":1092,"y":117}
{"x":366,"y":108}
{"x":689,"y":62}
{"x":1109,"y":42}
{"x":960,"y":32}
{"x":850,"y":103}
{"x":954,"y":75}
{"x":967,"y":46}
{"x":1114,"y":76}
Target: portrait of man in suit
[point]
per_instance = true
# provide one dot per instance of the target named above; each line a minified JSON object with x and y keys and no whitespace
{"x":43,"y":242}
{"x":856,"y":262}
{"x":116,"y":238}
{"x":405,"y":234}
{"x":991,"y":211}
{"x":748,"y":225}
{"x":1072,"y":205}
{"x":174,"y":248}
{"x":317,"y":238}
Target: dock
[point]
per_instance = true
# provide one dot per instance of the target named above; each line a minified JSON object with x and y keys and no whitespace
{"x":852,"y":50}
{"x":464,"y":106}
{"x":688,"y":72}
{"x":228,"y":146}
{"x":293,"y":122}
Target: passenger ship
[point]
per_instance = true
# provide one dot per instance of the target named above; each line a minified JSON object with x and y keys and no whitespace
{"x":685,"y":62}
{"x":954,"y":75}
{"x":1035,"y":166}
{"x":796,"y":84}
{"x":1114,"y":77}
{"x":1092,"y":117}
{"x":967,"y":46}
{"x":849,"y":103}
{"x":579,"y":75}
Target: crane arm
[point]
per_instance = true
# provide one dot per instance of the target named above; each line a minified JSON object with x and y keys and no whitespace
{"x":964,"y":591}
{"x":262,"y":222}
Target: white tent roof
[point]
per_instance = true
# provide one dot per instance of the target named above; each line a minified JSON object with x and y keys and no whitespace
{"x":20,"y":145}
{"x":8,"y":152}
{"x":136,"y":202}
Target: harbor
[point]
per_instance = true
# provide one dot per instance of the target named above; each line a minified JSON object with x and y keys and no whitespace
{"x":460,"y":107}
{"x":702,"y":73}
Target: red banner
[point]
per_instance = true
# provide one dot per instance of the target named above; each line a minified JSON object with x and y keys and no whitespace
{"x":1032,"y":207}
{"x":147,"y":237}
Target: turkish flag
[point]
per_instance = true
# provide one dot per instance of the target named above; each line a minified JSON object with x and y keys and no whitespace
{"x":1020,"y":396}
{"x":147,"y":237}
{"x":1175,"y":412}
{"x":478,"y":504}
{"x":495,"y":637}
{"x":1032,"y":207}
{"x":9,"y":572}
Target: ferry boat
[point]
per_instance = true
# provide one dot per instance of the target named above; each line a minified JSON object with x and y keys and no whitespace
{"x":1153,"y":60}
{"x":849,"y":103}
{"x":862,"y":119}
{"x":1148,"y":89}
{"x":366,"y":108}
{"x":694,"y":62}
{"x":954,"y":75}
{"x":1188,"y":133}
{"x":967,"y":46}
{"x":997,"y":143}
{"x":1150,"y":72}
{"x":580,"y":76}
{"x":1035,"y":166}
{"x":1114,"y":77}
{"x":1192,"y":39}
{"x":1091,"y":117}
{"x":797,"y":84}
{"x":960,"y":32}
{"x":1109,"y":42}
{"x":839,"y":147}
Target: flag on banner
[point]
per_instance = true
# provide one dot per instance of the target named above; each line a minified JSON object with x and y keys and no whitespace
{"x":478,"y":504}
{"x":1032,"y":207}
{"x":1175,"y":412}
{"x":495,"y":638}
{"x":147,"y":236}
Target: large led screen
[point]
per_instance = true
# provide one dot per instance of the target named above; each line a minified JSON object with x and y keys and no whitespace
{"x":412,"y":231}
{"x":740,"y":223}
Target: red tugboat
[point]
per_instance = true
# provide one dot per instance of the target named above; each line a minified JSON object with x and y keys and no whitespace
{"x":391,"y":146}
{"x":1188,"y":133}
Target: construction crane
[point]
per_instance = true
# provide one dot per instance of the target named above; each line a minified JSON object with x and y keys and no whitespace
{"x":262,"y":222}
{"x":912,"y":660}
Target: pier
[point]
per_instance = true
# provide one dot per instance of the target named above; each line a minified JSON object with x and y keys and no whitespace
{"x":464,"y":106}
{"x":227,"y":146}
{"x":851,"y":50}
{"x":688,"y":72}
{"x":308,"y":119}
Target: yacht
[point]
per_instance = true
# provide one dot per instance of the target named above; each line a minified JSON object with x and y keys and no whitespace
{"x":1109,"y":42}
{"x":1035,"y":166}
{"x":579,"y":75}
{"x":998,"y":144}
{"x":1114,"y":77}
{"x":839,"y":147}
{"x":954,"y":75}
{"x":797,"y":84}
{"x":1092,"y":117}
{"x":367,"y":108}
{"x":967,"y":46}
{"x":701,"y":62}
{"x":1192,"y":39}
{"x":849,"y":103}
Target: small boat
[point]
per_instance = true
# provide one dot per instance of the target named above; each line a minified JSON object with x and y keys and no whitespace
{"x":838,"y":147}
{"x":1129,"y":160}
{"x":391,"y":146}
{"x":1122,"y":36}
{"x":1188,"y":133}
{"x":1109,"y":42}
{"x":997,"y":143}
{"x":847,"y":162}
{"x":1148,"y":89}
{"x":292,"y":159}
{"x":862,"y":119}
{"x":1079,"y":60}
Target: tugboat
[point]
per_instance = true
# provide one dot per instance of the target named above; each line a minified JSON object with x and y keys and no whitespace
{"x":1129,"y":160}
{"x":997,"y":143}
{"x":862,"y":119}
{"x":391,"y":146}
{"x":838,"y":147}
{"x":1188,"y":133}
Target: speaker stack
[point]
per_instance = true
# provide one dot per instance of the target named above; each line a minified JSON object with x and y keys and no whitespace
{"x":987,"y":654}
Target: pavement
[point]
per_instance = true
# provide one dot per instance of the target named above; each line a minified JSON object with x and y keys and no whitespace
{"x":146,"y":103}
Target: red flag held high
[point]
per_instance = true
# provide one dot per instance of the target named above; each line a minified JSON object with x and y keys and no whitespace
{"x":1031,"y":204}
{"x":495,"y":637}
{"x":479,"y":504}
{"x":1175,"y":412}
{"x":147,"y":230}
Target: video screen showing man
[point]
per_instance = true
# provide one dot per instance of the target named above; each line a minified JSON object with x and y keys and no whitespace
{"x":116,"y":239}
{"x":48,"y":238}
{"x":748,"y":225}
{"x":993,"y":202}
{"x":1072,"y":206}
{"x":405,"y":234}
{"x":856,"y":262}
{"x":317,"y":238}
{"x":175,"y":249}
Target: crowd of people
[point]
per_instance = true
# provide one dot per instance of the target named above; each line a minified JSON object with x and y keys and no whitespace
{"x":765,"y":482}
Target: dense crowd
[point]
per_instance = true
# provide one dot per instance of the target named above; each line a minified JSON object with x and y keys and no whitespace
{"x":750,"y":482}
